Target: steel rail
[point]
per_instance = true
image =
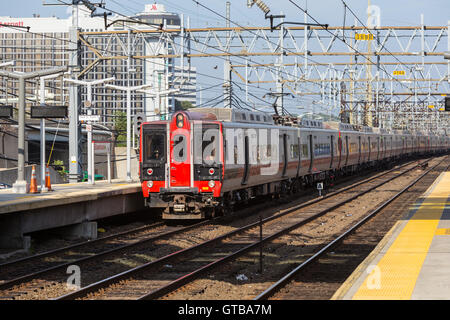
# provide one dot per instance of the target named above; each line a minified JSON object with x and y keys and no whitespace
{"x":8,"y":284}
{"x":116,"y":278}
{"x":18,"y":280}
{"x":284,"y":280}
{"x":193,"y":275}
{"x":78,"y":245}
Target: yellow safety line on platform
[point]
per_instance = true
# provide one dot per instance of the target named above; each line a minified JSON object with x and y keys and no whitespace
{"x":395,"y":275}
{"x":443,"y":232}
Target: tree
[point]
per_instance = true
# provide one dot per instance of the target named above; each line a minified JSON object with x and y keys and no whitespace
{"x":120,"y":126}
{"x":183,"y":105}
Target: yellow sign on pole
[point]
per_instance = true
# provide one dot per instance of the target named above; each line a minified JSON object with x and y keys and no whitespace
{"x":431,"y":106}
{"x":363,"y":36}
{"x":399,"y":73}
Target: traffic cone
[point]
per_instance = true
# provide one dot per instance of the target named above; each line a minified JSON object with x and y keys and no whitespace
{"x":48,"y":185}
{"x":33,"y":183}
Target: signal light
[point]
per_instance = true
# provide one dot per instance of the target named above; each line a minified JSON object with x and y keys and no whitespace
{"x":139,"y":119}
{"x":180,"y":120}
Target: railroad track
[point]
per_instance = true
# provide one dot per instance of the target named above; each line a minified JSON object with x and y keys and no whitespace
{"x":293,"y":285}
{"x":16,"y":273}
{"x":165,"y":274}
{"x":30,"y":277}
{"x":29,"y":265}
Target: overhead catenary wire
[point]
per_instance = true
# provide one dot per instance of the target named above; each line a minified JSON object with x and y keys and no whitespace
{"x":145,"y":59}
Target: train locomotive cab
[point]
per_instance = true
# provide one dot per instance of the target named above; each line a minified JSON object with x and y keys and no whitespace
{"x":184,"y":178}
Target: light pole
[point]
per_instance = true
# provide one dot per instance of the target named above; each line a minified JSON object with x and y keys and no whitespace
{"x":158,"y":94}
{"x":9,"y":63}
{"x":42,"y":102}
{"x":128,"y":91}
{"x":88,"y":104}
{"x":20,"y":186}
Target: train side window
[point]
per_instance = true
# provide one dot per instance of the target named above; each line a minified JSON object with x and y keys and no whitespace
{"x":294,"y":151}
{"x":305,"y":152}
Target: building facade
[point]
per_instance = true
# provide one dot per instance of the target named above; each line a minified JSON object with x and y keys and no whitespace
{"x":46,"y":45}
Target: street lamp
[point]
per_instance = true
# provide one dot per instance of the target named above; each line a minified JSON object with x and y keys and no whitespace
{"x":21,"y":186}
{"x":88,"y":104}
{"x":9,"y":63}
{"x":128,"y":91}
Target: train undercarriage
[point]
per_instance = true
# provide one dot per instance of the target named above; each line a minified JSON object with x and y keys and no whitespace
{"x":190,"y":204}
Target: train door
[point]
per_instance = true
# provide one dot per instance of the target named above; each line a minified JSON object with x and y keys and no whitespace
{"x":180,"y":162}
{"x":346,"y":150}
{"x":359,"y":142}
{"x":392,"y":147}
{"x":247,"y":160}
{"x":339,"y":150}
{"x":370,"y":149}
{"x":299,"y":154}
{"x":403,"y":145}
{"x":285,"y":155}
{"x":378,"y":148}
{"x":332,"y":150}
{"x":311,"y":152}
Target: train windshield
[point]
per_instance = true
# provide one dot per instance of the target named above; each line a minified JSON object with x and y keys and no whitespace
{"x":154,"y":146}
{"x":206,"y":144}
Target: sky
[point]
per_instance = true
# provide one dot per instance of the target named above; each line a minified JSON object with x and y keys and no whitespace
{"x":331,"y":12}
{"x":393,"y":12}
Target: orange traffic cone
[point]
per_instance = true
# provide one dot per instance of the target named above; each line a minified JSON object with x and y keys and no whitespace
{"x":48,"y":185}
{"x":33,"y":183}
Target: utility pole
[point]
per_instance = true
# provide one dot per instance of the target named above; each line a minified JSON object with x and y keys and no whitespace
{"x":280,"y":84}
{"x":42,"y":102}
{"x":227,"y":64}
{"x":74,"y":97}
{"x":21,"y":186}
{"x":368,"y":116}
{"x":128,"y":91}
{"x":88,"y":104}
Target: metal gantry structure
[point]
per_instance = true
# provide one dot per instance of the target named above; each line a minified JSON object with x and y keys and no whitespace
{"x":386,"y":76}
{"x":398,"y":80}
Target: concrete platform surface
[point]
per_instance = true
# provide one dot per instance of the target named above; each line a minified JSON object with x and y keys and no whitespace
{"x":64,"y":194}
{"x":76,"y":206}
{"x":412,"y":262}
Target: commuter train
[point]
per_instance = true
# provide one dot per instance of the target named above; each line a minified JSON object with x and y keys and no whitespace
{"x":204,"y":161}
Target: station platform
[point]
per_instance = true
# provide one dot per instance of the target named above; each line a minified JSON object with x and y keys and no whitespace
{"x":412,"y":262}
{"x":67,"y":205}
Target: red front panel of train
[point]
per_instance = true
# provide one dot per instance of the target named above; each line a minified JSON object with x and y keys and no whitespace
{"x":180,"y":152}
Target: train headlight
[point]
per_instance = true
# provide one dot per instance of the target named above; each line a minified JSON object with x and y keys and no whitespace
{"x":211,"y":184}
{"x":149,"y":184}
{"x":150,"y":171}
{"x":211,"y":171}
